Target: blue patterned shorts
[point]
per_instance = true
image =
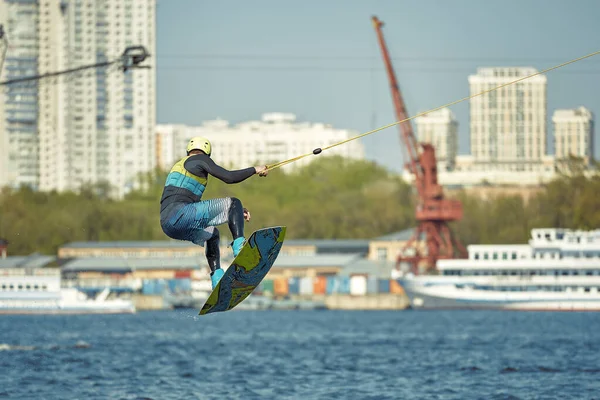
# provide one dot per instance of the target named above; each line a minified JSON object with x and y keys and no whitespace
{"x":196,"y":222}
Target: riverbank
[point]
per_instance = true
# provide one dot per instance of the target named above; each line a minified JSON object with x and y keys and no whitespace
{"x":381,"y":301}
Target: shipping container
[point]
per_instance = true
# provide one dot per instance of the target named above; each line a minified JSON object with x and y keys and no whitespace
{"x":383,"y":286}
{"x":186,"y":284}
{"x":267,"y":286}
{"x":320,"y":285}
{"x":395,"y":287}
{"x":160,"y":286}
{"x":183,"y":274}
{"x":358,"y":285}
{"x":281,"y":287}
{"x":148,"y":286}
{"x":294,"y":285}
{"x":201,"y":285}
{"x":338,"y":285}
{"x":344,"y":285}
{"x":179,"y":285}
{"x":332,"y":285}
{"x":199,"y":274}
{"x":154,"y":286}
{"x":306,"y":285}
{"x":372,"y":287}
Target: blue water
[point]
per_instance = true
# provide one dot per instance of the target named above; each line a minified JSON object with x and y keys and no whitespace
{"x":302,"y":355}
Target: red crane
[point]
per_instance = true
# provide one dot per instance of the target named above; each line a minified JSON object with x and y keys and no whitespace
{"x":433,"y":212}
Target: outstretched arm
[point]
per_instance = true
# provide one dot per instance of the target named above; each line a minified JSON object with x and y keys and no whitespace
{"x":202,"y":162}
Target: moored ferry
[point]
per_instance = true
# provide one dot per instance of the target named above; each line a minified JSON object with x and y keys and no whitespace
{"x":558,"y":270}
{"x":39,"y":291}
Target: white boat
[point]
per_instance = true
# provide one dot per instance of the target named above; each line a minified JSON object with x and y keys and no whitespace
{"x":39,"y":291}
{"x":559,"y":270}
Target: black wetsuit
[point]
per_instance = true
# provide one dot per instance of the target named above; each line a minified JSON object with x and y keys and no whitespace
{"x":185,"y":216}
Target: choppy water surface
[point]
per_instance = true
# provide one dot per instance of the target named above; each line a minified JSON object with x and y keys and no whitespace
{"x":303,"y":355}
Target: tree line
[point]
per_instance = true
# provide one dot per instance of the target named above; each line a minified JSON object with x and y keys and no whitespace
{"x":328,"y":199}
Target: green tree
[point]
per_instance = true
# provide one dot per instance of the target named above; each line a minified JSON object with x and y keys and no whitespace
{"x":330,"y":198}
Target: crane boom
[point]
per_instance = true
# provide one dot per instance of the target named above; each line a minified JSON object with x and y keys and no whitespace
{"x":433,"y":211}
{"x":405,"y":127}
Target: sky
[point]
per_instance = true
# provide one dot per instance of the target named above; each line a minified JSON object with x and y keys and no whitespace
{"x":320,"y":60}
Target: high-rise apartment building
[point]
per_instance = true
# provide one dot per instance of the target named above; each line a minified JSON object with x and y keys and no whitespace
{"x":276,"y":138}
{"x":19,"y":103}
{"x":573,"y":134}
{"x":508,"y":125}
{"x":440,"y":129}
{"x":3,"y":133}
{"x":94,"y":126}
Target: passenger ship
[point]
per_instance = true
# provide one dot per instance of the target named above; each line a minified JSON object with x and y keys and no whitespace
{"x":39,"y":291}
{"x":559,"y":270}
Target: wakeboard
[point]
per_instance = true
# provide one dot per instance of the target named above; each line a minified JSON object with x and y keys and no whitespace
{"x":247,"y":270}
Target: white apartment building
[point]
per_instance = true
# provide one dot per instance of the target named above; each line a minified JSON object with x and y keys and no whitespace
{"x":3,"y":151}
{"x":468,"y":172}
{"x":3,"y":132}
{"x":508,"y":125}
{"x":573,"y":133}
{"x":440,"y":129}
{"x":95,"y":126}
{"x":276,"y":137}
{"x":18,"y":103}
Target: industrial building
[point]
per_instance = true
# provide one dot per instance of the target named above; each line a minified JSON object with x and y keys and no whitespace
{"x":152,"y":272}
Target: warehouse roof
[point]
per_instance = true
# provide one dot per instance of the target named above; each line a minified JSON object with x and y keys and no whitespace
{"x":381,"y":269}
{"x":129,"y":244}
{"x":330,"y":244}
{"x":315,"y":261}
{"x":404,"y":235}
{"x":124,"y":264}
{"x":30,"y":261}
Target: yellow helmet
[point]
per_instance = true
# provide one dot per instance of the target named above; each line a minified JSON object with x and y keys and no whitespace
{"x":199,"y":143}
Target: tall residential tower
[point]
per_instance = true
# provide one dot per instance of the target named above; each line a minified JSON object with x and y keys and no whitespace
{"x":94,"y":126}
{"x":440,"y":129}
{"x":573,"y":134}
{"x":508,"y":125}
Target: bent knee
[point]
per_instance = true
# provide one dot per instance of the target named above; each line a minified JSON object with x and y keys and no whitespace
{"x":235,"y":202}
